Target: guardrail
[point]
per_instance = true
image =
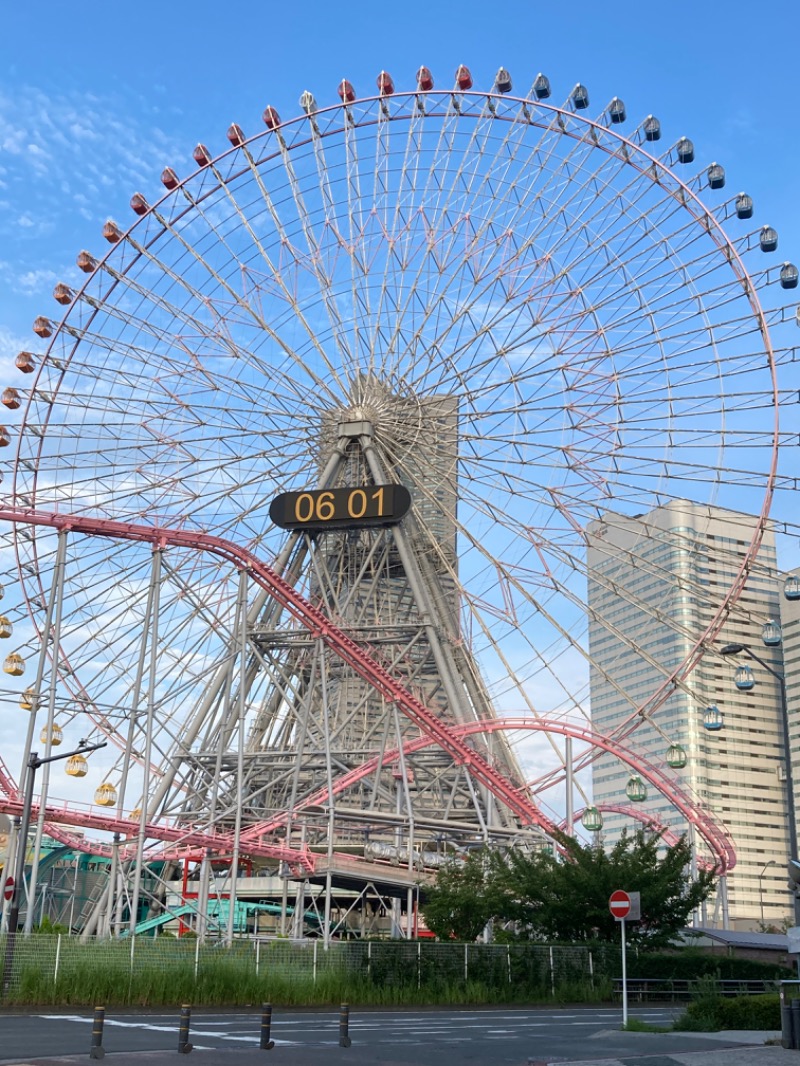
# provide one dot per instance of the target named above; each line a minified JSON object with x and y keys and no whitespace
{"x":647,"y":989}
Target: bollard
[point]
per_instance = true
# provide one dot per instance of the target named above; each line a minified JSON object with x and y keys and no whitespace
{"x":344,"y":1026}
{"x":96,"y":1051}
{"x":266,"y":1024}
{"x":787,"y":1040}
{"x":184,"y":1047}
{"x":795,"y":1028}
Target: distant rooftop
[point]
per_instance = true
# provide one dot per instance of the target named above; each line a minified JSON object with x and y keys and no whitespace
{"x":738,"y":938}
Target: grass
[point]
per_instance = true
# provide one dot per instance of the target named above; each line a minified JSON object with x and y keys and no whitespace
{"x":227,"y":985}
{"x":155,"y":974}
{"x":636,"y":1025}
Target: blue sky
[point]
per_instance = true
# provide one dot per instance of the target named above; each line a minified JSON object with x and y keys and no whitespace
{"x":97,"y":98}
{"x":95,"y":102}
{"x":94,"y":105}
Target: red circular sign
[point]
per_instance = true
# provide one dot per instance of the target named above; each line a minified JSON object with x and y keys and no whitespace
{"x":8,"y":888}
{"x":620,"y":904}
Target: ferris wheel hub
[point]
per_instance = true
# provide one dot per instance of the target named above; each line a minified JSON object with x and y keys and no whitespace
{"x":357,"y":422}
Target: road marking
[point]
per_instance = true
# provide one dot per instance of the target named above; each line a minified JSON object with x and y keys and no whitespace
{"x":148,"y":1026}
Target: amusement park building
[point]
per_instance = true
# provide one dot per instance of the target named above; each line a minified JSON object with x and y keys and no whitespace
{"x":654,"y":583}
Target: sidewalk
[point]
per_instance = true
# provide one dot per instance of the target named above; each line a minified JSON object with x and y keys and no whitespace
{"x":751,"y":1050}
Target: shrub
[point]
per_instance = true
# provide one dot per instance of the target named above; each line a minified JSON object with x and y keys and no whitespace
{"x":711,"y":1013}
{"x":689,"y":965}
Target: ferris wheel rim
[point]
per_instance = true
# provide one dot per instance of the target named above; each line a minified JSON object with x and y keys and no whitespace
{"x":686,"y":667}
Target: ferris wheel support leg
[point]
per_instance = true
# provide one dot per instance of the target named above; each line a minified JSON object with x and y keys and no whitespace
{"x":237,"y":830}
{"x":202,"y":896}
{"x":326,"y":936}
{"x":444,"y":665}
{"x":58,"y":596}
{"x":108,"y":923}
{"x":298,"y":918}
{"x":151,"y":623}
{"x":299,"y":910}
{"x":403,"y":795}
{"x":264,"y":608}
{"x":122,"y":893}
{"x":284,"y":917}
{"x":326,"y":717}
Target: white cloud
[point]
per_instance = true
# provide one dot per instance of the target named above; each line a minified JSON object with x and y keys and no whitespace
{"x":10,"y":344}
{"x":35,"y":281}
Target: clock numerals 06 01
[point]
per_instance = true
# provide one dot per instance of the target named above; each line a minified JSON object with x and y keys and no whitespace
{"x":318,"y":509}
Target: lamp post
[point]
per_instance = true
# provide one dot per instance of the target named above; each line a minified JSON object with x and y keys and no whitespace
{"x":761,"y":887}
{"x":745,"y":649}
{"x":33,"y":764}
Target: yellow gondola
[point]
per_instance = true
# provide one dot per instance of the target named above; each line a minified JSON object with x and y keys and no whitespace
{"x":77,"y":766}
{"x":55,"y":739}
{"x":106,"y":795}
{"x":14,"y":664}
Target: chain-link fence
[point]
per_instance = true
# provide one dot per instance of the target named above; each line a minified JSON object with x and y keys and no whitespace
{"x":146,"y":970}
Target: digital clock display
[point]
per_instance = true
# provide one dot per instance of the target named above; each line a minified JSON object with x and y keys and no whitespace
{"x":318,"y":509}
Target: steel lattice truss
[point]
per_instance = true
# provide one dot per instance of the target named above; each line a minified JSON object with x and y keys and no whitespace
{"x":530,"y":318}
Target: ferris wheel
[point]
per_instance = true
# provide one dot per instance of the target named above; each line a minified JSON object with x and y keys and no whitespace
{"x":538,"y":323}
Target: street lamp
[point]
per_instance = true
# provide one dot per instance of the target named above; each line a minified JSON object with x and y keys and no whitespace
{"x":745,"y":649}
{"x":33,"y":764}
{"x":761,"y":887}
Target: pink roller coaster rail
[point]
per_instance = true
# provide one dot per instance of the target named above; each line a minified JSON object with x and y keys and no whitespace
{"x":449,"y":738}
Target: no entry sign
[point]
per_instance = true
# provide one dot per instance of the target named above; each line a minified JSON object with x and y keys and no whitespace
{"x":620,"y":904}
{"x":8,"y":888}
{"x":625,"y":905}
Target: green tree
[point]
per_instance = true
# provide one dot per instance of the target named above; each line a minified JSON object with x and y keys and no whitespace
{"x":549,"y":896}
{"x":462,"y":900}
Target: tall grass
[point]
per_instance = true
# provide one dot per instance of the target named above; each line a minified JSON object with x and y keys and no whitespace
{"x":166,"y":973}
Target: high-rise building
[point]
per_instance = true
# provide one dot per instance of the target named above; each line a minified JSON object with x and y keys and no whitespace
{"x":790,"y":625}
{"x":655,"y":582}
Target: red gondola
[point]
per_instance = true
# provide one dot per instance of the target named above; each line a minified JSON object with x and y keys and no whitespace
{"x":271,"y":118}
{"x":424,"y":79}
{"x":201,"y":155}
{"x":25,"y":362}
{"x":112,"y":232}
{"x":86,"y":262}
{"x":347,"y":93}
{"x":235,"y":135}
{"x":463,"y":78}
{"x":385,"y":84}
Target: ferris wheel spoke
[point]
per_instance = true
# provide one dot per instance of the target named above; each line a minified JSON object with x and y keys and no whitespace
{"x":316,"y":260}
{"x":438,"y":184}
{"x":517,"y":312}
{"x":250,"y":313}
{"x":594,"y":306}
{"x":541,"y":194}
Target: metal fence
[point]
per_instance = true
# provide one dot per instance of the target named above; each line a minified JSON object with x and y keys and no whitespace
{"x":63,"y":969}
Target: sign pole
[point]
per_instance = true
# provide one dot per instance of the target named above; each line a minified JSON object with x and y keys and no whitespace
{"x":625,"y":905}
{"x":624,"y":978}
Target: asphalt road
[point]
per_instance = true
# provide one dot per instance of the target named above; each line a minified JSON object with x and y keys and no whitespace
{"x":400,"y":1037}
